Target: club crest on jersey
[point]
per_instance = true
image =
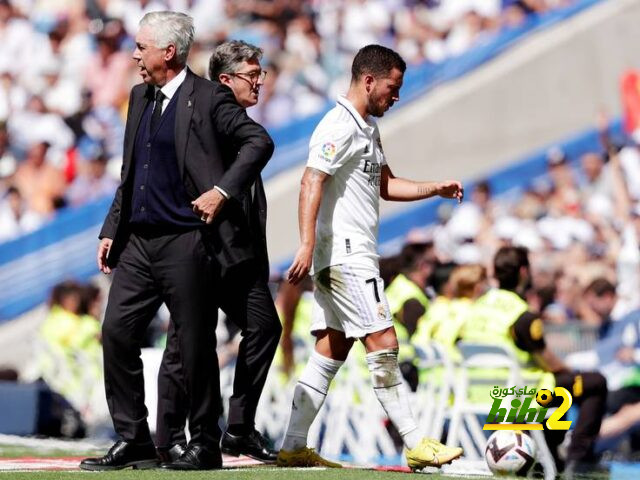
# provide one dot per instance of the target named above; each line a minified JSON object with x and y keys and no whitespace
{"x":328,"y":150}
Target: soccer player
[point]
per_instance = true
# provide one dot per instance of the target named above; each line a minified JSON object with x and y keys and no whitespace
{"x":338,"y":217}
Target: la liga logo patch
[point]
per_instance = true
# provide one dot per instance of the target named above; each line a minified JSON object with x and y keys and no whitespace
{"x":328,"y":150}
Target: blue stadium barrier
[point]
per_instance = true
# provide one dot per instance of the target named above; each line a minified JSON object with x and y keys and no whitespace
{"x":292,"y":140}
{"x":65,"y":248}
{"x":19,"y":402}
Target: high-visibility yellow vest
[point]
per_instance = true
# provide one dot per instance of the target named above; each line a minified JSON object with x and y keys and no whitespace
{"x":440,"y":308}
{"x":402,"y":289}
{"x":72,"y":355}
{"x":399,"y":291}
{"x":441,"y":325}
{"x":446,"y":329}
{"x":491,"y":322}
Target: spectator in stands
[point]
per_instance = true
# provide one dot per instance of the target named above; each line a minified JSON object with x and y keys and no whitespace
{"x":36,"y":124}
{"x":92,"y":181}
{"x":42,"y":184}
{"x":564,"y":197}
{"x":8,"y":163}
{"x":16,"y":218}
{"x":108,"y":72}
{"x":599,"y":300}
{"x":619,"y":357}
{"x":501,"y":316}
{"x":53,"y":51}
{"x":61,"y":95}
{"x":563,"y":307}
{"x":596,"y":176}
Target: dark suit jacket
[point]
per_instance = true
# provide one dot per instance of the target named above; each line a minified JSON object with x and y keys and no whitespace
{"x":257,"y":214}
{"x":255,"y":207}
{"x":216,"y":144}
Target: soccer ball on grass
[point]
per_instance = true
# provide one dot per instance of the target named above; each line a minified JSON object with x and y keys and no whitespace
{"x":510,"y":452}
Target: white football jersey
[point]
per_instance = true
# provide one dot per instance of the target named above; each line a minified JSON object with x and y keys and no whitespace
{"x":348,"y":148}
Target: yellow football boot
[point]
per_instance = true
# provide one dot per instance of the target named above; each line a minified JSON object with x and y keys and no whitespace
{"x":431,"y":453}
{"x":303,"y":457}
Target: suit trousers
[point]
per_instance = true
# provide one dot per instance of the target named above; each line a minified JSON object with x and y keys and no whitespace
{"x":175,"y":269}
{"x":245,"y":298}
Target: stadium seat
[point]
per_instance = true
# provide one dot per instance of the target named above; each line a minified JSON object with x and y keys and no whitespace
{"x":466,"y":426}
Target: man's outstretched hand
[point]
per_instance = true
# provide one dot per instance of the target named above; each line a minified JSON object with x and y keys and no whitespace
{"x":451,"y":189}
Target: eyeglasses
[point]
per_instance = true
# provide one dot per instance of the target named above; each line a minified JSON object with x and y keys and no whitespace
{"x":253,"y":77}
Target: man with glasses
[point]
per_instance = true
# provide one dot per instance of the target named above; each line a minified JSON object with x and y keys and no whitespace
{"x":234,"y":64}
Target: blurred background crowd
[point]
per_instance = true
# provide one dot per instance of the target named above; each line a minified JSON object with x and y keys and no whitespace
{"x":64,"y":83}
{"x":67,"y":70}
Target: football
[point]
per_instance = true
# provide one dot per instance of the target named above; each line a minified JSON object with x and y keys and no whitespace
{"x":544,"y":397}
{"x":510,"y":452}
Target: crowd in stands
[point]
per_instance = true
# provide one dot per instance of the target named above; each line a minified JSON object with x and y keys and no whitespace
{"x":581,"y":222}
{"x":67,"y":70}
{"x":64,"y":84}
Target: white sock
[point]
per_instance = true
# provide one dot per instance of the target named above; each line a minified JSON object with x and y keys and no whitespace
{"x":392,"y":393}
{"x":308,"y":397}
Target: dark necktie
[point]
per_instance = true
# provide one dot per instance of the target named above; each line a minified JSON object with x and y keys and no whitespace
{"x":157,"y":110}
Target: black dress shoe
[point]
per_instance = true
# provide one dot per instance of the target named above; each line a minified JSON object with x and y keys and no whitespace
{"x":171,"y":454}
{"x":197,"y":457}
{"x":253,"y":445}
{"x":123,"y":455}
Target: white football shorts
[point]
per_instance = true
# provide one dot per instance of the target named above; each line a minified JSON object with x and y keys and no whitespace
{"x":351,"y":299}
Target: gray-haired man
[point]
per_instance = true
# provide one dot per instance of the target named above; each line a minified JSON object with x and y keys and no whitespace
{"x":245,"y":298}
{"x":175,"y":225}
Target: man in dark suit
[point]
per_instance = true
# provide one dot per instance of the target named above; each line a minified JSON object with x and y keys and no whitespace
{"x":175,"y":227}
{"x":236,"y":65}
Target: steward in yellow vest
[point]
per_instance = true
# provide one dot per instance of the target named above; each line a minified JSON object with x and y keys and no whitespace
{"x":447,"y":315}
{"x":408,"y":302}
{"x":502,"y":317}
{"x":466,"y":283}
{"x":408,"y":305}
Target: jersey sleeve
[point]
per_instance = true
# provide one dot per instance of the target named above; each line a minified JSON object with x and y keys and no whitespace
{"x":330,"y":148}
{"x":528,"y":333}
